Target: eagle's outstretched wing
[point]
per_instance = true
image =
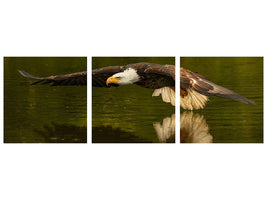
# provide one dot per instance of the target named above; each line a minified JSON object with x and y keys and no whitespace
{"x":78,"y":78}
{"x":199,"y":83}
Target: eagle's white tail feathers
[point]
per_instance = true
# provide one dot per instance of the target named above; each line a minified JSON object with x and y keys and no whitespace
{"x":193,"y":100}
{"x":167,"y":94}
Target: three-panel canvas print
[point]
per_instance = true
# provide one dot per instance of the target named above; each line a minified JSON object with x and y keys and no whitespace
{"x":132,"y":99}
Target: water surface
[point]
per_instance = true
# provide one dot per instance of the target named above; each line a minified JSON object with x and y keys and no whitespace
{"x":43,"y":113}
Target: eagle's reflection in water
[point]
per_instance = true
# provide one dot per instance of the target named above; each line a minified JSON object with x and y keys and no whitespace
{"x":166,"y":130}
{"x":194,"y":129}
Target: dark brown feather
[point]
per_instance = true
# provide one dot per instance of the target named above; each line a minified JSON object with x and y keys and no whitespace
{"x":78,"y":78}
{"x":202,"y":85}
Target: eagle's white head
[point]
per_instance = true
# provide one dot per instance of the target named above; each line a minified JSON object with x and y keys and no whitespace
{"x":129,"y":76}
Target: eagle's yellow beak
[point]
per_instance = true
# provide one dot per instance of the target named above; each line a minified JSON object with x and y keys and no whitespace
{"x":112,"y":80}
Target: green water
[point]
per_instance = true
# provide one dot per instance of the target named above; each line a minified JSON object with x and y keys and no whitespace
{"x":230,"y":121}
{"x":128,"y":113}
{"x":43,"y":113}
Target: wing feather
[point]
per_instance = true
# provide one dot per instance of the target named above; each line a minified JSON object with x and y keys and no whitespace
{"x":165,"y":70}
{"x":78,"y":78}
{"x":205,"y":87}
{"x":208,"y":88}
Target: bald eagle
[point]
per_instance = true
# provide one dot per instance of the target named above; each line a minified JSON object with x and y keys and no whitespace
{"x":195,"y":89}
{"x":147,"y":75}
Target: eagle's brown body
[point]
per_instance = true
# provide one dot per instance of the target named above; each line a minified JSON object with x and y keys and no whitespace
{"x":194,"y":89}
